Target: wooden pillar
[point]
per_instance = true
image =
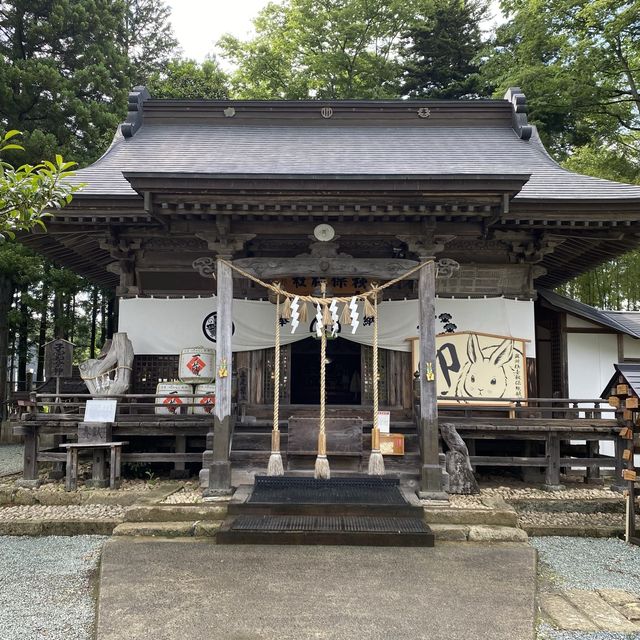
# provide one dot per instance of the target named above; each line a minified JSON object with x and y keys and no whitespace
{"x":220,"y":467}
{"x":552,"y":477}
{"x":431,"y":472}
{"x":30,"y":467}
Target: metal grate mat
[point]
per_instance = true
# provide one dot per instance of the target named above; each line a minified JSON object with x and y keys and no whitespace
{"x":292,"y":490}
{"x":351,"y":524}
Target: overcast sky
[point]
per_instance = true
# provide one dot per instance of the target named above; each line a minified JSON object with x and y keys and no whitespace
{"x":198,"y":24}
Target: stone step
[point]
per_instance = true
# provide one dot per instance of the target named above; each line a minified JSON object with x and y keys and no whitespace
{"x":168,"y":529}
{"x":44,"y":527}
{"x":449,"y":515}
{"x":176,"y":513}
{"x":477,"y":533}
{"x":578,"y":505}
{"x":576,"y":531}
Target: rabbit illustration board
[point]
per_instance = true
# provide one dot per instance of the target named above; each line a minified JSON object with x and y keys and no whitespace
{"x":485,"y":373}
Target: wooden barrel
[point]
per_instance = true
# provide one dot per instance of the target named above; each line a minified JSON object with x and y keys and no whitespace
{"x":171,"y":400}
{"x":197,"y":365}
{"x":207,"y":402}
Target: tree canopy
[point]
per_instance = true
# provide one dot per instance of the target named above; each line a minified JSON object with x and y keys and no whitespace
{"x":188,"y":80}
{"x":578,"y":62}
{"x":322,"y":48}
{"x":441,"y":51}
{"x":66,"y":67}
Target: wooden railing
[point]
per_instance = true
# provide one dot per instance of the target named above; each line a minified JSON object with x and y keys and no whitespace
{"x":58,"y":405}
{"x":561,"y":408}
{"x":70,"y":406}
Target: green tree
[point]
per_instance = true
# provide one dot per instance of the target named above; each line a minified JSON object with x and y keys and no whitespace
{"x":322,"y":48}
{"x":148,"y":39}
{"x":186,"y":79}
{"x":441,"y":51}
{"x":63,"y":75}
{"x":578,"y":62}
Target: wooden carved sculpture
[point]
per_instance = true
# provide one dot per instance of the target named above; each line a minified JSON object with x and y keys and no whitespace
{"x":458,"y":464}
{"x":110,"y":374}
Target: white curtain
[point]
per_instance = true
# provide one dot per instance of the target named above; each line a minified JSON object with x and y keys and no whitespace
{"x":166,"y":326}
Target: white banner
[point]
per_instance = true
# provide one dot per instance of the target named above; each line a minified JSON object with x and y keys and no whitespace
{"x":166,"y":326}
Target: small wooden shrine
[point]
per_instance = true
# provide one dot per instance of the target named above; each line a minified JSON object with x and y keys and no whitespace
{"x":346,"y":195}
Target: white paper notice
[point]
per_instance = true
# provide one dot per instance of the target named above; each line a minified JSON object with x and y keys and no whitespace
{"x":100,"y":411}
{"x":384,"y":421}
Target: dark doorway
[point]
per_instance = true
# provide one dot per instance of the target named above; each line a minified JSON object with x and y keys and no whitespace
{"x":343,"y":372}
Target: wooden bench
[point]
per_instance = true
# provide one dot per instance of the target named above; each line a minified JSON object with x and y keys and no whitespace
{"x":73,"y":449}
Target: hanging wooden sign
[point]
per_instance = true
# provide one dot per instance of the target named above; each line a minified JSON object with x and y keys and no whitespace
{"x":629,"y":474}
{"x":626,"y":433}
{"x":631,"y":403}
{"x":626,"y":454}
{"x":58,"y":359}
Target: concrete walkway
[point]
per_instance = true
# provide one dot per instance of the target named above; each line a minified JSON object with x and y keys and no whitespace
{"x":184,"y":589}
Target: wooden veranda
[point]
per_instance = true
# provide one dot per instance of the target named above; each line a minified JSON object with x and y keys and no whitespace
{"x":539,"y":433}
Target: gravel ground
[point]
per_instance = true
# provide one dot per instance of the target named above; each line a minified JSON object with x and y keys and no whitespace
{"x":10,"y":459}
{"x":586,"y":563}
{"x":570,"y":493}
{"x":46,"y":591}
{"x":63,"y":512}
{"x":184,"y":497}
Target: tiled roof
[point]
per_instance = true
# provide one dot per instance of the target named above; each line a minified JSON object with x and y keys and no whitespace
{"x":620,"y":321}
{"x":367,"y":146}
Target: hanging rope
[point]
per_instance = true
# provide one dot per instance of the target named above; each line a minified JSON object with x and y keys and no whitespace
{"x":376,"y":461}
{"x":275,"y":466}
{"x":322,"y":469}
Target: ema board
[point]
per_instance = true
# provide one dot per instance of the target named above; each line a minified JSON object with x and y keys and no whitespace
{"x":477,"y":365}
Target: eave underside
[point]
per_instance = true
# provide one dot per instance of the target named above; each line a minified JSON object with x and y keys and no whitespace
{"x":475,"y":219}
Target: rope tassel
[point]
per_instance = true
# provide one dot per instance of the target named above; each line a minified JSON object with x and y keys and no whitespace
{"x":326,"y":316}
{"x":345,"y":316}
{"x":286,"y":309}
{"x":304,"y":314}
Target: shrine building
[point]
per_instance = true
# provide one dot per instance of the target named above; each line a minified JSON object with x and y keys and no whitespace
{"x":199,"y":203}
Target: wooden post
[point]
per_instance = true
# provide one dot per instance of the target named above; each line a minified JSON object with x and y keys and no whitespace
{"x":431,"y":472}
{"x":220,"y":467}
{"x":620,"y":445}
{"x":552,"y":478}
{"x":593,"y":471}
{"x":179,"y":468}
{"x":30,"y":469}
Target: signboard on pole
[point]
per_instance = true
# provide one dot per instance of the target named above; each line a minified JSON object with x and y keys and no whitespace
{"x":58,"y":359}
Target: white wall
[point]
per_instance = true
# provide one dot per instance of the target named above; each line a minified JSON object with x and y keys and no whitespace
{"x":591,"y":359}
{"x":631,"y":347}
{"x":578,"y":323}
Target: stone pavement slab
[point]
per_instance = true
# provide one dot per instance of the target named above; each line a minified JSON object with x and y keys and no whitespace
{"x":184,"y":589}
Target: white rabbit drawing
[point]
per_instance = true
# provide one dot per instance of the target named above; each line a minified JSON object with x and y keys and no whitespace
{"x":484,"y":375}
